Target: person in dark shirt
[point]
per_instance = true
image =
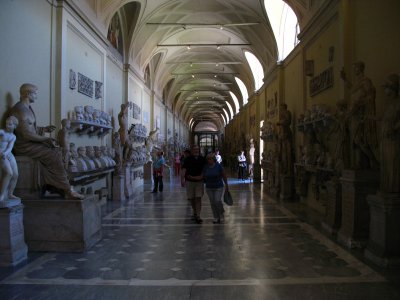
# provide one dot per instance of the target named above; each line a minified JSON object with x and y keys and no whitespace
{"x":215,"y":179}
{"x":192,"y":170}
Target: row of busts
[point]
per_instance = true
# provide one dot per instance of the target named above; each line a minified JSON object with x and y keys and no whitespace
{"x":315,"y":113}
{"x":137,"y":132}
{"x":314,"y":155}
{"x":91,"y":115}
{"x":135,"y":155}
{"x":89,"y":158}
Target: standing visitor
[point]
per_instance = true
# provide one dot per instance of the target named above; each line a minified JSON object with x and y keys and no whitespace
{"x":215,"y":178}
{"x":177,"y":164}
{"x":242,"y":165}
{"x":158,"y":169}
{"x":192,"y":170}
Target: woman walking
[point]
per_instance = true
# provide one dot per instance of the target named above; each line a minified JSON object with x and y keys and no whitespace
{"x":215,"y":178}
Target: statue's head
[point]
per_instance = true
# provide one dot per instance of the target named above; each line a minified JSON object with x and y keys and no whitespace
{"x":28,"y":90}
{"x":359,"y":66}
{"x":11,"y":123}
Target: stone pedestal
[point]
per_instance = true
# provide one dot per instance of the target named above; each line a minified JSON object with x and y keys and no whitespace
{"x":356,"y":185}
{"x":29,"y":178}
{"x":118,"y":192}
{"x":257,"y":172}
{"x":148,"y":172}
{"x":60,"y":225}
{"x":13,"y":249}
{"x":383,"y":246}
{"x":128,"y":181}
{"x":286,"y":188}
{"x":333,"y":219}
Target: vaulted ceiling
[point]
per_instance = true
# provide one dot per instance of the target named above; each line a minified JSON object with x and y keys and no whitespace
{"x":194,"y":82}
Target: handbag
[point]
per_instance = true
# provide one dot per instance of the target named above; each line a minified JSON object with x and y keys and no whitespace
{"x":228,"y":198}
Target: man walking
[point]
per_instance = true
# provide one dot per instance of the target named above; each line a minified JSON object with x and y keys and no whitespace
{"x":192,"y":169}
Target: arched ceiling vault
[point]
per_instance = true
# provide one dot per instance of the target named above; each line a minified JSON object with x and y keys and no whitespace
{"x":195,"y":82}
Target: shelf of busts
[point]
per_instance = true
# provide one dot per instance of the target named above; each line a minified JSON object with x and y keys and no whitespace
{"x":314,"y":169}
{"x":313,"y":123}
{"x":90,"y":128}
{"x":89,"y":176}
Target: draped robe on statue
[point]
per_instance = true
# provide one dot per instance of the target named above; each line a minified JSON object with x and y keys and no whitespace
{"x":50,"y":158}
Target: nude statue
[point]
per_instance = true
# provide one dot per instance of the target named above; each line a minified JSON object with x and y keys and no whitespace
{"x":32,"y":142}
{"x":9,"y":168}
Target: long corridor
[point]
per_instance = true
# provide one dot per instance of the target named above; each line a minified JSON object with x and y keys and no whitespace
{"x":151,"y":249}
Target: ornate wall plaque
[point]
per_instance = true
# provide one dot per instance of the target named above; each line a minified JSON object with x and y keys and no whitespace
{"x":72,"y":79}
{"x":85,"y":85}
{"x":98,"y":90}
{"x":321,"y":82}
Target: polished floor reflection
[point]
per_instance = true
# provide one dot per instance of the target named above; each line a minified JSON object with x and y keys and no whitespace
{"x":151,"y":249}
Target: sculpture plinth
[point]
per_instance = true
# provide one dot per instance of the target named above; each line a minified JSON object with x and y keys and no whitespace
{"x":356,"y":185}
{"x":62,"y":225}
{"x":333,"y":219}
{"x":383,"y":246}
{"x":13,"y":249}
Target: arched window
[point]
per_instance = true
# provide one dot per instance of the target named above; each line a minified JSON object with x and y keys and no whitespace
{"x":230,"y":108}
{"x":256,"y":69}
{"x":226,"y":114}
{"x":284,"y":24}
{"x":236,"y":101}
{"x":243,"y":90}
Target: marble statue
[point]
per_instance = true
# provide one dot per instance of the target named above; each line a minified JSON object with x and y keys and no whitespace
{"x":32,"y":142}
{"x":361,"y":114}
{"x":99,"y":156}
{"x":89,"y":163}
{"x":123,"y":123}
{"x":285,"y":140}
{"x":252,"y":151}
{"x":9,"y":168}
{"x":79,"y":113}
{"x":80,"y":162}
{"x":118,"y":151}
{"x":150,"y":144}
{"x":341,"y":135}
{"x":73,"y":156}
{"x":92,"y":156}
{"x":390,"y":134}
{"x":88,"y":115}
{"x":63,"y":140}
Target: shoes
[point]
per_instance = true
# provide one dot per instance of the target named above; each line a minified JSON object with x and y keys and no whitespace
{"x":216,"y":221}
{"x":198,"y":220}
{"x":154,"y":192}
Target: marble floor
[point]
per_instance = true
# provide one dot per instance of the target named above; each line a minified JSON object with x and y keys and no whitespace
{"x":151,"y":249}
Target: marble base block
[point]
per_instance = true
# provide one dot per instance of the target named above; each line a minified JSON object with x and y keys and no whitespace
{"x":118,"y":188}
{"x":333,"y":219}
{"x":13,"y":249}
{"x":286,"y":192}
{"x":356,"y":185}
{"x":148,"y":173}
{"x":60,"y":225}
{"x":383,"y":246}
